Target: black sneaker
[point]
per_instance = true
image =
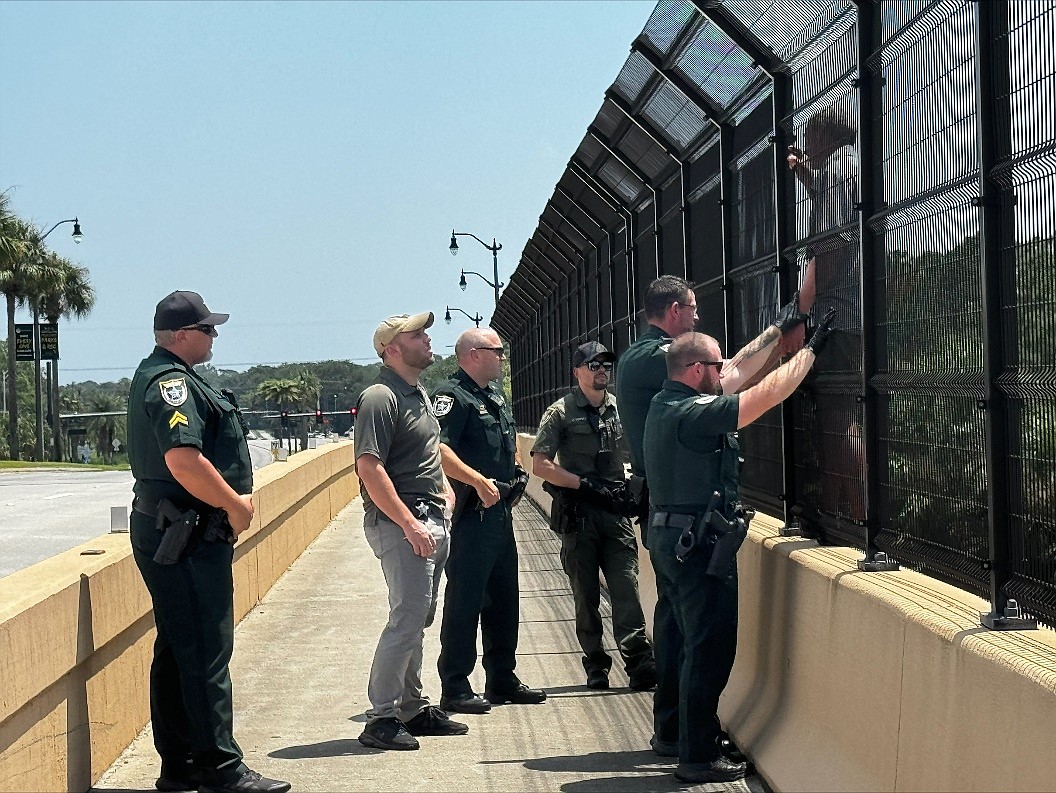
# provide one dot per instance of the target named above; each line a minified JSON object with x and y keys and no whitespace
{"x":663,"y":748}
{"x":388,"y":733}
{"x":718,"y":770}
{"x":249,"y":782}
{"x":644,"y":678}
{"x":433,"y":721}
{"x":521,"y":695}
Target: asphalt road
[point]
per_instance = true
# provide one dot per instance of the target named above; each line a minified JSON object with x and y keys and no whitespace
{"x":45,"y":511}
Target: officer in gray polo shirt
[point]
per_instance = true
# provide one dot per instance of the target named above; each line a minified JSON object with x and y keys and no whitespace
{"x":407,"y":503}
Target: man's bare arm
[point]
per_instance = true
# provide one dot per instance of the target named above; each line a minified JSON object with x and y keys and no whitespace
{"x":549,"y":471}
{"x":775,"y":388}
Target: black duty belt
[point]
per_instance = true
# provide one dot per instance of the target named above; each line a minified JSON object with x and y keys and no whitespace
{"x":149,"y":507}
{"x":679,"y":520}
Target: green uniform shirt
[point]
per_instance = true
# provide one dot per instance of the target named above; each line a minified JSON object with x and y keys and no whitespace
{"x":640,"y":375}
{"x":170,"y":405}
{"x":396,"y":424}
{"x":691,"y":449}
{"x":476,"y":423}
{"x":583,"y":439}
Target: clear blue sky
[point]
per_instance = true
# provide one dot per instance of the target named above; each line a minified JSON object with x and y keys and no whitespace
{"x":299,"y":164}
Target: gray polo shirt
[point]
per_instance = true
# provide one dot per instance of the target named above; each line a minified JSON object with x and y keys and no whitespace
{"x":395,"y":423}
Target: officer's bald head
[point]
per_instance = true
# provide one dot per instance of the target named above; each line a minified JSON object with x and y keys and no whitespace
{"x":475,"y":339}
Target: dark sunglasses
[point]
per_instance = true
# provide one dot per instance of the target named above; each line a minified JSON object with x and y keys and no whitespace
{"x":499,"y":351}
{"x":717,"y":364}
{"x":595,"y":365}
{"x":208,"y":330}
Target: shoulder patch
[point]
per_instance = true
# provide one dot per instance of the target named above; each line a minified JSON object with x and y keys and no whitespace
{"x":174,"y":392}
{"x":707,"y":399}
{"x":442,"y":404}
{"x":177,"y":418}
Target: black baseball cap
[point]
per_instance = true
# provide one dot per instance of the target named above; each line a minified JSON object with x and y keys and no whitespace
{"x":183,"y":309}
{"x":591,"y":351}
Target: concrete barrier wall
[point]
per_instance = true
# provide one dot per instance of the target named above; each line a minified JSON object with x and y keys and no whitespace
{"x":77,"y":631}
{"x":850,"y":681}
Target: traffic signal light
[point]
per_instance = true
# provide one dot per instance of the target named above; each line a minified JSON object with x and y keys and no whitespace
{"x":284,"y":418}
{"x":353,"y":411}
{"x":318,"y":416}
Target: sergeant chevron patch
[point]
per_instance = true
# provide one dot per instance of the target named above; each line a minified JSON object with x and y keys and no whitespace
{"x":177,"y":418}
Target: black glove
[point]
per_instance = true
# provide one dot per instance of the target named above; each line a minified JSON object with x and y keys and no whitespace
{"x":595,"y":491}
{"x":790,"y":317}
{"x":517,"y":485}
{"x":817,"y":340}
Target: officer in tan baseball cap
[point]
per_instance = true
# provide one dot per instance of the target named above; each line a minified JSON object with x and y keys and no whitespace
{"x":392,"y":327}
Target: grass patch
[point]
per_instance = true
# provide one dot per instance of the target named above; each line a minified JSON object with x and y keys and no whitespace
{"x":28,"y":465}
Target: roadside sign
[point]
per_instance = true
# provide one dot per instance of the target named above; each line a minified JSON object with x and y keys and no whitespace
{"x":23,"y":342}
{"x":49,"y":341}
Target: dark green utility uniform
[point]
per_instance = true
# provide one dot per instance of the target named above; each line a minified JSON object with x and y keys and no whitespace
{"x":585,"y":441}
{"x":476,"y":423}
{"x":170,"y":406}
{"x":691,"y":450}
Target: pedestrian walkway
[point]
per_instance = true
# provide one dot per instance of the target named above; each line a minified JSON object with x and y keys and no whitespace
{"x":300,"y":669}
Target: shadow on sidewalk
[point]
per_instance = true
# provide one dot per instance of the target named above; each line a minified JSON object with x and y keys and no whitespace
{"x":341,"y":747}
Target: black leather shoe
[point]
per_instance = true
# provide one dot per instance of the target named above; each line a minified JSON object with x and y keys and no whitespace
{"x":388,"y":733}
{"x":172,"y":783}
{"x":465,"y":703}
{"x":598,"y":679}
{"x":177,"y":775}
{"x":663,"y":748}
{"x":718,"y":770}
{"x":249,"y":782}
{"x":433,"y":721}
{"x":644,"y":678}
{"x":729,"y":750}
{"x":522,"y":695}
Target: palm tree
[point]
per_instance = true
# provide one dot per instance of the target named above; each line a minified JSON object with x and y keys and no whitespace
{"x":14,"y":247}
{"x":284,"y":393}
{"x":106,"y":428}
{"x":74,"y":298}
{"x":22,"y":278}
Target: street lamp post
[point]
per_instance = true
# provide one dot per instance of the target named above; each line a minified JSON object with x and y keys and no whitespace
{"x":476,"y":318}
{"x":495,"y":247}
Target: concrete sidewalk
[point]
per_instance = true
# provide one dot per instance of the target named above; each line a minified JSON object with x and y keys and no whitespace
{"x":300,"y":670}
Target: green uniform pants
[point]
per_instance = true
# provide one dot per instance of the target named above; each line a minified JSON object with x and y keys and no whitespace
{"x":190,"y":683}
{"x":605,"y":544}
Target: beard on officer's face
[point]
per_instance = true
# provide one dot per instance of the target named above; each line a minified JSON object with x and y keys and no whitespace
{"x":601,"y":380}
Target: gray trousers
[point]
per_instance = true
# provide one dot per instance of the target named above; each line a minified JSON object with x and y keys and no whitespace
{"x":395,"y":687}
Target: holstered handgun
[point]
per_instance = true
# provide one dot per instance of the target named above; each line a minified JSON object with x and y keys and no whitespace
{"x":177,"y":527}
{"x":731,"y":535}
{"x":693,"y":535}
{"x":564,"y":511}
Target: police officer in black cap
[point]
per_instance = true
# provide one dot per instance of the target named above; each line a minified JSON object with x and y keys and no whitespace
{"x":188,"y":452}
{"x":581,"y":452}
{"x":478,"y":449}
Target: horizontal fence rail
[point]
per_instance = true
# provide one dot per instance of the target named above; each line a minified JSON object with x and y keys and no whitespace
{"x":926,"y":216}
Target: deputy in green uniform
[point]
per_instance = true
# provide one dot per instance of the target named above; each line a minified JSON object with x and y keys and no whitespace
{"x":580,"y":450}
{"x":691,"y":451}
{"x":671,"y":310}
{"x":478,"y":451}
{"x":188,"y":451}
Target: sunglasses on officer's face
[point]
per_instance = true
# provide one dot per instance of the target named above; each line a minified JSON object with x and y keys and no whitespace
{"x":596,"y":365}
{"x":717,"y":364}
{"x":208,"y":330}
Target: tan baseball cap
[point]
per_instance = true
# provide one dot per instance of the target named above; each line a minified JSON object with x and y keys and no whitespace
{"x":390,"y":328}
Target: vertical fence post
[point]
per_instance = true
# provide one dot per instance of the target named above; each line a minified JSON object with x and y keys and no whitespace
{"x":871,"y":250}
{"x":788,"y":278}
{"x":727,"y":202}
{"x":1004,"y":613}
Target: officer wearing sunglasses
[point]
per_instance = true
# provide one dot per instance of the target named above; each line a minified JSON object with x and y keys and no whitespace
{"x":190,"y":459}
{"x":580,"y":452}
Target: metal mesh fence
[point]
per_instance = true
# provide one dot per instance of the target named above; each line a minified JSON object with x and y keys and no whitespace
{"x":922,"y":208}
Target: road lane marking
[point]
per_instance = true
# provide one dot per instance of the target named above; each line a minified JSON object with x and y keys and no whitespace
{"x":57,"y":495}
